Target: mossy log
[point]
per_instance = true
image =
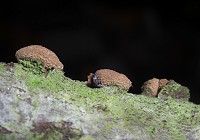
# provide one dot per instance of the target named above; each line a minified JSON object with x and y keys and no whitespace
{"x":53,"y":106}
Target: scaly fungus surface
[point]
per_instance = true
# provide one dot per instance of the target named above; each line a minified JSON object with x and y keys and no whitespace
{"x":39,"y":53}
{"x":109,"y":78}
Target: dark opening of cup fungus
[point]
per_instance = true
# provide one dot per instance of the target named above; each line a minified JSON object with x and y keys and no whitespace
{"x":39,"y":53}
{"x":107,"y":77}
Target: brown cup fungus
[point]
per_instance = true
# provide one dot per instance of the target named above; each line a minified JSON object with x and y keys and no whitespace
{"x":40,"y":53}
{"x":107,"y":77}
{"x":164,"y":89}
{"x":153,"y":86}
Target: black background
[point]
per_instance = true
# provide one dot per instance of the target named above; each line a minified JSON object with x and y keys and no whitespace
{"x":140,"y":40}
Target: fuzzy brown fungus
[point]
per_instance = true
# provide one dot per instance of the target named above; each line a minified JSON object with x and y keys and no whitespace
{"x":38,"y":52}
{"x":153,"y":86}
{"x":162,"y":83}
{"x":107,"y":77}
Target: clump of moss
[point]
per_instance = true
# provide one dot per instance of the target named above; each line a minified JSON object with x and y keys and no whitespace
{"x":175,"y":91}
{"x":2,"y":66}
{"x":36,"y":76}
{"x":35,"y":67}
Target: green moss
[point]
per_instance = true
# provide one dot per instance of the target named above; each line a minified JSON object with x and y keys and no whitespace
{"x":175,"y":91}
{"x":36,"y":78}
{"x":171,"y":117}
{"x":87,"y":137}
{"x":7,"y":136}
{"x":2,"y":69}
{"x":53,"y":135}
{"x":35,"y":136}
{"x":2,"y":66}
{"x":35,"y":67}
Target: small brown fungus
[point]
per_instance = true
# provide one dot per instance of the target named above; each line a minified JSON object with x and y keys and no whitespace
{"x":162,"y":83}
{"x":109,"y":77}
{"x":153,"y":86}
{"x":38,"y":52}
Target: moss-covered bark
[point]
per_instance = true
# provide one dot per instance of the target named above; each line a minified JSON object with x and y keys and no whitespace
{"x":39,"y":106}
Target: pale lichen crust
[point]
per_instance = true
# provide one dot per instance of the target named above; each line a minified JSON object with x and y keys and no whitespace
{"x":39,"y":53}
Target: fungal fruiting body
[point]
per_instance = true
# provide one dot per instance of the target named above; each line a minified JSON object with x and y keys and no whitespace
{"x":151,"y":87}
{"x":39,"y":53}
{"x":109,"y":77}
{"x":163,"y":88}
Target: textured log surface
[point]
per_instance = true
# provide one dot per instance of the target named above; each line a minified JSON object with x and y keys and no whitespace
{"x":33,"y":106}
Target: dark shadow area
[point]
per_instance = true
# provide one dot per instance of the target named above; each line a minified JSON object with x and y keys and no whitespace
{"x":140,"y":40}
